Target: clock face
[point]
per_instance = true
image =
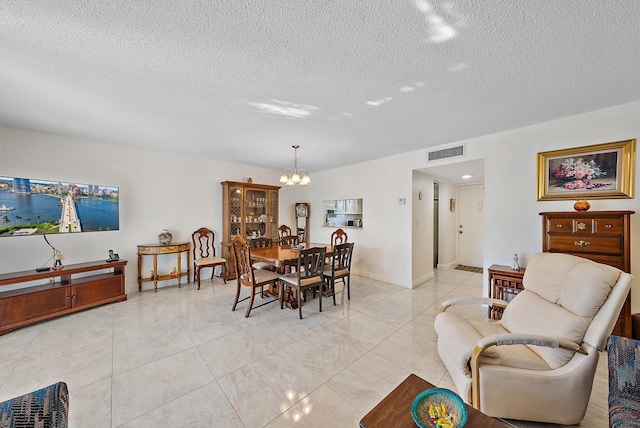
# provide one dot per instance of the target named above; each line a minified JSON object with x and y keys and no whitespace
{"x":301,"y":210}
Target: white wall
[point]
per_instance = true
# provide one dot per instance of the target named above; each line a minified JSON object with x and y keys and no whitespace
{"x":182,"y":193}
{"x":422,"y":229}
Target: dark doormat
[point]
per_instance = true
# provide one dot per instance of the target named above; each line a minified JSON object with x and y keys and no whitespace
{"x":469,"y":269}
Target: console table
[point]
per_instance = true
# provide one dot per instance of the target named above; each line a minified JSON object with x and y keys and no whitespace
{"x":154,"y":250}
{"x":69,"y":293}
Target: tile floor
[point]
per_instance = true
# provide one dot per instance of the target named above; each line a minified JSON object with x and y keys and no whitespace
{"x":181,"y":358}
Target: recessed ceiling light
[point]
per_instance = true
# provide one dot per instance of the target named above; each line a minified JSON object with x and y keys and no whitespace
{"x":466,"y":176}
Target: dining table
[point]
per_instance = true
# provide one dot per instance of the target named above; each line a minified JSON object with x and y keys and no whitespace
{"x":282,"y":257}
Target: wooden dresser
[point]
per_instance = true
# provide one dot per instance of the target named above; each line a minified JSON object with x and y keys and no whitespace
{"x":601,"y":236}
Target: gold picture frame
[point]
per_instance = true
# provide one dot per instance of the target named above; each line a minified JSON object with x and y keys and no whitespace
{"x":601,"y":171}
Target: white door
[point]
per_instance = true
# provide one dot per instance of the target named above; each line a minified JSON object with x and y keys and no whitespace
{"x":470,"y":225}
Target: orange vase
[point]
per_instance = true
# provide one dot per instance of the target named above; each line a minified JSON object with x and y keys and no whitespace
{"x":581,"y":205}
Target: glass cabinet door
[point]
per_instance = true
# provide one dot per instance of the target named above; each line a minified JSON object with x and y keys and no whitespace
{"x":272,"y":215}
{"x":255,"y":213}
{"x":237,"y":221}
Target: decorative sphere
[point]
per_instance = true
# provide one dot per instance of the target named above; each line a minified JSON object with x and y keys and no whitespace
{"x":581,"y":205}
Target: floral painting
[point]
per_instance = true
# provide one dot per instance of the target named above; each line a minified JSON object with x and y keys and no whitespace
{"x":592,"y":172}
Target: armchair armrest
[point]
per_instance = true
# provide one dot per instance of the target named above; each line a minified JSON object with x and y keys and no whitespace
{"x":512,"y":339}
{"x":472,"y":301}
{"x":528,"y":339}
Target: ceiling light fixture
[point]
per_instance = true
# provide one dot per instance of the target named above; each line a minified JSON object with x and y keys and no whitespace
{"x":295,"y":176}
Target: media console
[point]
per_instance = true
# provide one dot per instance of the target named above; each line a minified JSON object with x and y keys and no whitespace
{"x":70,"y":291}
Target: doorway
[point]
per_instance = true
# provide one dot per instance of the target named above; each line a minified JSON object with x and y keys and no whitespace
{"x":471,"y":225}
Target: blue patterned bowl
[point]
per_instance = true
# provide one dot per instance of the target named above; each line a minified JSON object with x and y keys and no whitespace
{"x":436,"y":397}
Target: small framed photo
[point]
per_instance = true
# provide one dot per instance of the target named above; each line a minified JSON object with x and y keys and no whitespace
{"x":602,"y":171}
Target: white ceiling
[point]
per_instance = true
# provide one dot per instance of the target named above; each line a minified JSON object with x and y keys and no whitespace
{"x":347,"y":80}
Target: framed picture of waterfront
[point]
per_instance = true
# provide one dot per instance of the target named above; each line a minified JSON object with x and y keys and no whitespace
{"x":602,"y":171}
{"x":36,"y":207}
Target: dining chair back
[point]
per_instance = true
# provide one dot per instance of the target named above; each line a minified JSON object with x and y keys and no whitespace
{"x":284,"y":230}
{"x":247,"y":276}
{"x":338,"y":237}
{"x":204,"y":254}
{"x":309,"y":274}
{"x":263,"y":242}
{"x":289,"y":240}
{"x":340,"y":268}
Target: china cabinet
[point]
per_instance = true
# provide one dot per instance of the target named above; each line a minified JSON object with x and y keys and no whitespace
{"x":249,"y":210}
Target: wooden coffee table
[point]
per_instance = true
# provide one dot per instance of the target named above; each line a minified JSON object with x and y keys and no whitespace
{"x":395,"y":409}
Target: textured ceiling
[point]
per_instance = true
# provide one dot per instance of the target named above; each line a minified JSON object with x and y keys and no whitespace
{"x":347,"y":80}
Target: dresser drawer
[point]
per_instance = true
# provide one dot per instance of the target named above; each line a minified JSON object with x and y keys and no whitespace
{"x":587,"y":244}
{"x":561,"y":225}
{"x":612,"y":226}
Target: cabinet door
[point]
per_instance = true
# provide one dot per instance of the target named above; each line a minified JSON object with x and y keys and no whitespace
{"x":340,"y":206}
{"x":272,"y":215}
{"x":236,"y":212}
{"x":358,"y":206}
{"x":349,"y":206}
{"x":94,"y":292}
{"x":22,"y":308}
{"x":255,"y":206}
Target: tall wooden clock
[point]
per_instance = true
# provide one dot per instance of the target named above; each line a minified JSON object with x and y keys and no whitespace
{"x":302,"y":221}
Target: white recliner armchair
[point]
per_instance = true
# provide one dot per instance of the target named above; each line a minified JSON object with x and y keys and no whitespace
{"x":538,"y":362}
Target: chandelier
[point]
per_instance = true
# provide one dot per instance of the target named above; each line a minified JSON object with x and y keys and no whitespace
{"x":295,"y":176}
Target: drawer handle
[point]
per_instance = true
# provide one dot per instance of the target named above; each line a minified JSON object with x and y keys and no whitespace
{"x":608,"y":226}
{"x":559,"y":226}
{"x":581,"y":226}
{"x":581,"y":243}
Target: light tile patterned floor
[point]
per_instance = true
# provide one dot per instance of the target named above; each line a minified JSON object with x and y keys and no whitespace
{"x":181,"y":358}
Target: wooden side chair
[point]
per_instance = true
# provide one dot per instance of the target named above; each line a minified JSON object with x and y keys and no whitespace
{"x":309,"y":274}
{"x":204,"y":254}
{"x":255,"y":279}
{"x":284,"y":230}
{"x":338,"y":237}
{"x":340,"y":268}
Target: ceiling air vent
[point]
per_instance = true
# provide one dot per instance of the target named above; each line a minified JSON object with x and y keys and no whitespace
{"x":451,"y":152}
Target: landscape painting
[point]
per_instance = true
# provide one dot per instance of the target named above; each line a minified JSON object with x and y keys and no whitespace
{"x":37,"y":207}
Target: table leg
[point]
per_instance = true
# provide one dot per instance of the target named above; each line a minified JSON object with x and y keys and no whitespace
{"x":139,"y":272}
{"x":155,"y":273}
{"x":179,"y":271}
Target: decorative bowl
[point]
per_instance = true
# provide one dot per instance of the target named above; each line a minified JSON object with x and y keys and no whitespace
{"x":438,"y":407}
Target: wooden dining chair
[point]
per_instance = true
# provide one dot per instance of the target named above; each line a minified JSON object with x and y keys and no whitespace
{"x":339,"y":268}
{"x":263,"y":242}
{"x":204,"y":254}
{"x":284,"y":230}
{"x":338,"y":237}
{"x":255,"y":279}
{"x":308,"y":275}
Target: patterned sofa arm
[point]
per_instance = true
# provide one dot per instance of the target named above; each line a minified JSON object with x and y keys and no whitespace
{"x":624,"y":381}
{"x":47,"y":407}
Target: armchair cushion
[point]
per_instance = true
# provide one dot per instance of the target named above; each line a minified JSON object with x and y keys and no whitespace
{"x":554,"y":288}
